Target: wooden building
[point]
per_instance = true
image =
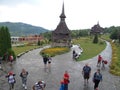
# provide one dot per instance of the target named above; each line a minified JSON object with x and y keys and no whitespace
{"x":61,"y":36}
{"x":96,"y":29}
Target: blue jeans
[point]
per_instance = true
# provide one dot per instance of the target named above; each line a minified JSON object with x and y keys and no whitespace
{"x":24,"y":80}
{"x":65,"y":86}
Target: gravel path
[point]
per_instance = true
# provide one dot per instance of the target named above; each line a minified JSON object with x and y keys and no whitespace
{"x":33,"y":63}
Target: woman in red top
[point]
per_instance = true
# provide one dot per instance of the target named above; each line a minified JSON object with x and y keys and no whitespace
{"x":66,"y":80}
{"x":99,"y":60}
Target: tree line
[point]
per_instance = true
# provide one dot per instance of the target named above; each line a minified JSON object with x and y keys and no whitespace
{"x":113,"y":31}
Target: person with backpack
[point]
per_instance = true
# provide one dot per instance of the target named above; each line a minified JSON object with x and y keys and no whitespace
{"x":11,"y":79}
{"x":86,"y":73}
{"x":23,"y":76}
{"x":40,"y":85}
{"x":97,"y":77}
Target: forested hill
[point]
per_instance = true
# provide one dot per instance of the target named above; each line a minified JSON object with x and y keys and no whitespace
{"x":22,"y":29}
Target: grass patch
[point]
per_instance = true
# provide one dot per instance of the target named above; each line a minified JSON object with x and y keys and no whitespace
{"x":55,"y":51}
{"x":89,"y":49}
{"x":21,"y":49}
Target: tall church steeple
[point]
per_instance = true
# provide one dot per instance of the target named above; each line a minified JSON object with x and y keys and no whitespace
{"x":61,"y":36}
{"x":62,"y":16}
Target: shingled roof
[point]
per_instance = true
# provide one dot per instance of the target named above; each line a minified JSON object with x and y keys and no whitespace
{"x":96,"y":29}
{"x":62,"y":27}
{"x":61,"y":36}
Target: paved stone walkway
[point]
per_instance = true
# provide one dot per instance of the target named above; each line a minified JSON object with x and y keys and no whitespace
{"x":33,"y":62}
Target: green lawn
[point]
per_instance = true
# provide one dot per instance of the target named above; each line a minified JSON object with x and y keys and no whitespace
{"x":89,"y":49}
{"x":21,"y":49}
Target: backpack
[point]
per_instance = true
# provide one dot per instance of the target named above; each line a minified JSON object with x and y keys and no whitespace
{"x":37,"y":87}
{"x":11,"y":79}
{"x":86,"y":69}
{"x":98,"y":77}
{"x":105,"y":61}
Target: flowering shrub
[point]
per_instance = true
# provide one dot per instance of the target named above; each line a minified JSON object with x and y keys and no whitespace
{"x":115,"y":63}
{"x":55,"y":51}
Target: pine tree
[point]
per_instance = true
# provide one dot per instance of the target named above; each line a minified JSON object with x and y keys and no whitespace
{"x":5,"y":40}
{"x":95,"y":40}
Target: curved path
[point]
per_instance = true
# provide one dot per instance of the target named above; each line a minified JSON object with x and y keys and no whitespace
{"x":33,"y":63}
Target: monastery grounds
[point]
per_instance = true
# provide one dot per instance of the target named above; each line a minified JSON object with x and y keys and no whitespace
{"x":33,"y":63}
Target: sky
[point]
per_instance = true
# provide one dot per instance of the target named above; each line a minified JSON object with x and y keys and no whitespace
{"x":80,"y":14}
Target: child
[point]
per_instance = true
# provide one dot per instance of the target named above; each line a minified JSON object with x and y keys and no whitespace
{"x":11,"y":79}
{"x":23,"y":76}
{"x":62,"y":85}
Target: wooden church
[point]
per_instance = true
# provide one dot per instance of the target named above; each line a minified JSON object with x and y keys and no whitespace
{"x":96,"y":29}
{"x":61,"y":36}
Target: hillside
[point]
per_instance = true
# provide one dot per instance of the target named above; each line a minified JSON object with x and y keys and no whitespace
{"x":22,"y":29}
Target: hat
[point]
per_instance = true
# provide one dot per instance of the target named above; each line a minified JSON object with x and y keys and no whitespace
{"x":10,"y":73}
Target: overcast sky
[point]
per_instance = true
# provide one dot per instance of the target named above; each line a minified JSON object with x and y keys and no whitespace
{"x":80,"y":14}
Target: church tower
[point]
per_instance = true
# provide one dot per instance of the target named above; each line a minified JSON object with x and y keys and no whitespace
{"x":61,"y":36}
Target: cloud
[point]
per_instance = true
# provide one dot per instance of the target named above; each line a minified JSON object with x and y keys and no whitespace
{"x":45,"y":13}
{"x":16,"y":2}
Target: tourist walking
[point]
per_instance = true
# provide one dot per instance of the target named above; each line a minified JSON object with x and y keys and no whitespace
{"x":23,"y":76}
{"x":86,"y":73}
{"x":11,"y":80}
{"x":45,"y":60}
{"x":11,"y":58}
{"x":40,"y":85}
{"x":103,"y":64}
{"x":99,"y":61}
{"x":96,"y":79}
{"x":66,"y":80}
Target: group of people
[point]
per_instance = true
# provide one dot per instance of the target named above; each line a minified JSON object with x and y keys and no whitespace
{"x":76,"y":55}
{"x":40,"y":85}
{"x":6,"y":57}
{"x":86,"y":72}
{"x":11,"y":79}
{"x":97,"y":76}
{"x":65,"y":81}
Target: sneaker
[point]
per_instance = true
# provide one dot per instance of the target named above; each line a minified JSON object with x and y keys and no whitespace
{"x":23,"y":85}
